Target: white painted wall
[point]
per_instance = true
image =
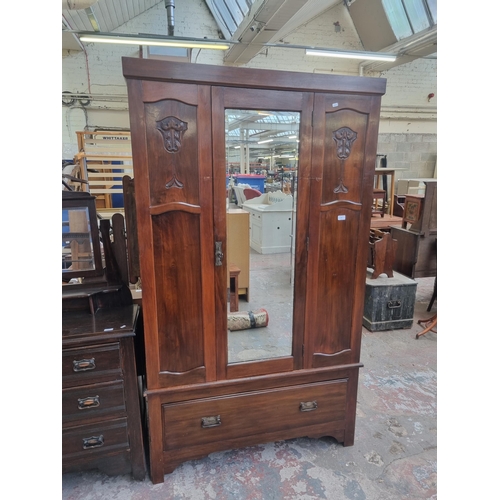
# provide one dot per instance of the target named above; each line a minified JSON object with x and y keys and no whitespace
{"x":405,"y":108}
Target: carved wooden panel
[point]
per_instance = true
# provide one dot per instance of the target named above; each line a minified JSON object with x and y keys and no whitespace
{"x":345,"y":137}
{"x":339,"y":220}
{"x":175,"y":224}
{"x":172,"y":133}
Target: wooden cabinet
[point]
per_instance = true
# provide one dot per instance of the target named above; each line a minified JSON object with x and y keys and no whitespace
{"x":270,"y":222}
{"x":198,"y":402}
{"x":416,"y":254}
{"x":101,"y":416}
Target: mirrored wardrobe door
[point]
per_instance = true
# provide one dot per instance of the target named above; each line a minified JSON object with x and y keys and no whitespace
{"x":257,"y":170}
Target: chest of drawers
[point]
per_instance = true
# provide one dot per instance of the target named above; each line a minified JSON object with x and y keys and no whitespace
{"x":101,"y":410}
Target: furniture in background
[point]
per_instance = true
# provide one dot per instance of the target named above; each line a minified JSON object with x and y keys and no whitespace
{"x":251,"y":193}
{"x":134,"y":270}
{"x":234,"y":272}
{"x":101,"y":403}
{"x":380,"y":173}
{"x":239,"y":193}
{"x":389,"y":302}
{"x":101,"y":413}
{"x":382,"y":253}
{"x":408,"y":187}
{"x":197,"y":401}
{"x":434,"y":295}
{"x":399,"y":204}
{"x":104,"y":157}
{"x":238,"y":248}
{"x":270,"y":222}
{"x":412,"y":209}
{"x":416,"y":255}
{"x":379,"y":195}
{"x":429,"y":324}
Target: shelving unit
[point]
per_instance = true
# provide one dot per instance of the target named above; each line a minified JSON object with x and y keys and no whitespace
{"x":104,"y":158}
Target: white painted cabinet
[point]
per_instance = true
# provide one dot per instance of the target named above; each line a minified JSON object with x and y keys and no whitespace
{"x":270,"y":222}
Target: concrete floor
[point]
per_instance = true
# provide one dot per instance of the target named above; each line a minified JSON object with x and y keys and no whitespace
{"x":394,"y":454}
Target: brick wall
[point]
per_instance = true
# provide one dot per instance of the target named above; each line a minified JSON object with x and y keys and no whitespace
{"x":415,"y":153}
{"x":408,"y":120}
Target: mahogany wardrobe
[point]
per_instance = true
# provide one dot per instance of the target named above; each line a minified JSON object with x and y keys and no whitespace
{"x":200,"y":396}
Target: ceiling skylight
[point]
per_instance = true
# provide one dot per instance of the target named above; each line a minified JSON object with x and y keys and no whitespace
{"x":408,"y":17}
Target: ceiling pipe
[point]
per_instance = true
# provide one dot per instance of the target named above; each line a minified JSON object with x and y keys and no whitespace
{"x":170,"y":6}
{"x":77,"y":4}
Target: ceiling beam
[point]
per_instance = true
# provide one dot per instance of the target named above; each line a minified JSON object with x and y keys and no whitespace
{"x":269,"y":21}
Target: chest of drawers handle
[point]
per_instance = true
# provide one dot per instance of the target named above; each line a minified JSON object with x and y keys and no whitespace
{"x":210,"y":421}
{"x":83,"y":365}
{"x":308,"y":406}
{"x":93,"y":442}
{"x":89,"y":402}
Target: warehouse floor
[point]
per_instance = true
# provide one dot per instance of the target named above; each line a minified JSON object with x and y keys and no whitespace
{"x":394,"y":455}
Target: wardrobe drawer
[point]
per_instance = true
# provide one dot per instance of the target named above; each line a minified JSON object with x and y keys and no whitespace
{"x":95,"y":439}
{"x":93,"y":401}
{"x":78,"y":365}
{"x":194,"y":423}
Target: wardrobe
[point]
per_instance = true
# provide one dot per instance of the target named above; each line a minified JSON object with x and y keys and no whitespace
{"x":199,"y":398}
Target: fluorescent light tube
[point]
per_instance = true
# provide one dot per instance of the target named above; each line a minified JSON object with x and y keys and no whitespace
{"x":367,"y":56}
{"x":262,"y":142}
{"x":159,"y":42}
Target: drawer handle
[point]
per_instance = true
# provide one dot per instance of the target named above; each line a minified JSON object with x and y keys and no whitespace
{"x":90,"y":402}
{"x":394,"y":304}
{"x":308,"y":406}
{"x":93,"y":442}
{"x":83,"y":365}
{"x":210,"y":421}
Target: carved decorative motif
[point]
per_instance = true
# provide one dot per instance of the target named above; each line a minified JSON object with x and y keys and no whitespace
{"x":174,"y":182}
{"x":344,"y":138}
{"x":172,"y":130}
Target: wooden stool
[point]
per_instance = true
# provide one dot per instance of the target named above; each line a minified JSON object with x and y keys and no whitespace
{"x":234,"y":272}
{"x":379,"y":194}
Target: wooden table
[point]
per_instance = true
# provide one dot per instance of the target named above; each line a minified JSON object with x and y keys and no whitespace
{"x":379,"y":172}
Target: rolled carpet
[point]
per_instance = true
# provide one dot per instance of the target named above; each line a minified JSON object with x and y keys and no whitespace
{"x":247,"y":319}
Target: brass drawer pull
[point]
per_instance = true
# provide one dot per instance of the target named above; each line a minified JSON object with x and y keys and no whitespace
{"x":93,"y":442}
{"x":308,"y":406}
{"x":83,"y":365}
{"x":210,"y":421}
{"x":90,"y":402}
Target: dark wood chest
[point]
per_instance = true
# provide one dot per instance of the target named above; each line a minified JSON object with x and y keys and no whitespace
{"x":101,"y":413}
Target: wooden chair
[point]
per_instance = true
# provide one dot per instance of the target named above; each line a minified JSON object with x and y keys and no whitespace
{"x":379,"y":194}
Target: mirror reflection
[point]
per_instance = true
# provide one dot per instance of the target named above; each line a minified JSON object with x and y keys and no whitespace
{"x":262,"y":149}
{"x":77,"y":251}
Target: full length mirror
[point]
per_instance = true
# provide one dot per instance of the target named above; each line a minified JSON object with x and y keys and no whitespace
{"x":262,"y":159}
